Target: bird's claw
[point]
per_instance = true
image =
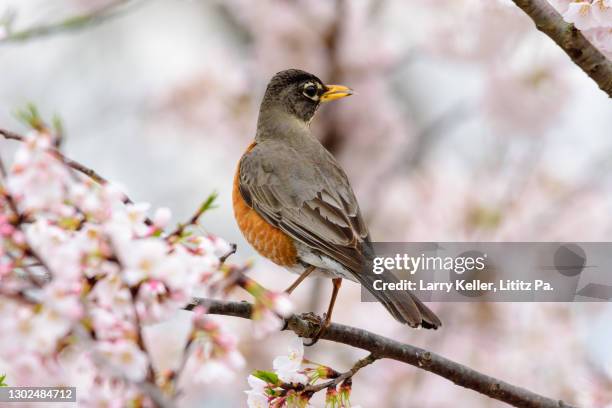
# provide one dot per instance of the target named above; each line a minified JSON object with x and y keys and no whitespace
{"x":321,"y":322}
{"x":311,"y":317}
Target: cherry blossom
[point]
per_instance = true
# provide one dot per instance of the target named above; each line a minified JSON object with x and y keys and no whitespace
{"x":294,"y":382}
{"x":581,"y":14}
{"x":212,"y":353}
{"x":162,"y":217}
{"x":82,"y":274}
{"x":124,"y":356}
{"x":593,"y":17}
{"x":266,"y":322}
{"x":288,"y":367}
{"x":255,"y":400}
{"x":89,"y":226}
{"x":256,"y":396}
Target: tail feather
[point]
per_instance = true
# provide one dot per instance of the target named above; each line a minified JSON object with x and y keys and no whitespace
{"x":404,"y":306}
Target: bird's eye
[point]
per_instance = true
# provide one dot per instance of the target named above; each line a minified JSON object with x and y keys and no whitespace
{"x":310,"y":91}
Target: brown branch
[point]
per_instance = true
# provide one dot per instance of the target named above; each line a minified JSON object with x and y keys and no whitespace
{"x":148,"y":388}
{"x":571,"y":40}
{"x":139,"y":337}
{"x":229,"y":253}
{"x":155,"y":393}
{"x":73,"y":164}
{"x":9,"y":198}
{"x":60,"y":156}
{"x":73,"y":23}
{"x":30,"y":276}
{"x":383,"y":347}
{"x":369,"y":359}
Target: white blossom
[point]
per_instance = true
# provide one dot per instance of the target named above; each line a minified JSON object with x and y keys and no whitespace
{"x":581,"y":15}
{"x":162,"y":217}
{"x":124,"y":356}
{"x":255,"y":400}
{"x":288,"y":367}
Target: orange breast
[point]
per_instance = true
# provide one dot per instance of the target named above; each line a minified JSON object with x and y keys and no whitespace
{"x":268,"y":240}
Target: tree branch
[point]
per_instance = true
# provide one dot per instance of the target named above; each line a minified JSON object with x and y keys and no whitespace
{"x":73,"y":23}
{"x":571,"y":40}
{"x":73,"y":164}
{"x":369,"y":359}
{"x":383,"y":347}
{"x":60,"y":156}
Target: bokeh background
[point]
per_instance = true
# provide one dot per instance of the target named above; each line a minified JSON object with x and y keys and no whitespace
{"x":468,"y":125}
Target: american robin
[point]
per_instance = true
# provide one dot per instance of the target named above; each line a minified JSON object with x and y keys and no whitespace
{"x":295,"y":205}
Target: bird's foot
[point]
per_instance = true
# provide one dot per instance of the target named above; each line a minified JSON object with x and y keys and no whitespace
{"x":322,"y":323}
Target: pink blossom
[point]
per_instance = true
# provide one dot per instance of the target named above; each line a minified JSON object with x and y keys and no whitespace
{"x":142,"y":259}
{"x":560,"y":5}
{"x":125,"y":357}
{"x":213,"y":356}
{"x":267,"y":322}
{"x":204,"y":366}
{"x":6,"y":229}
{"x":602,"y":39}
{"x":156,"y":303}
{"x":580,"y":13}
{"x":38,"y":332}
{"x":602,"y":12}
{"x":5,"y":268}
{"x":281,"y":304}
{"x":37,"y":179}
{"x":258,"y":386}
{"x":257,"y":400}
{"x":99,"y":275}
{"x":162,"y":217}
{"x":63,"y":298}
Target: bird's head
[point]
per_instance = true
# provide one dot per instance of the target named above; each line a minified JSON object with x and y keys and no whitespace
{"x":299,"y":93}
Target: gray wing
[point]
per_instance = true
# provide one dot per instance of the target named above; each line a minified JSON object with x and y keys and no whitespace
{"x":311,"y":202}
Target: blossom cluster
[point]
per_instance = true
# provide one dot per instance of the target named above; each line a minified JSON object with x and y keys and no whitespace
{"x":593,"y":18}
{"x":83,"y":270}
{"x":292,"y":383}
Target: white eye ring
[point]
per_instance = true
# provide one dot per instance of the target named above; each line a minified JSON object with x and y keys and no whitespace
{"x":311,"y":91}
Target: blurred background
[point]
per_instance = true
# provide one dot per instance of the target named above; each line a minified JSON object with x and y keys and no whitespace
{"x":468,"y":125}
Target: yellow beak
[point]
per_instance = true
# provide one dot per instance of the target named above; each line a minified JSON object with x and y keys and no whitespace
{"x":334,"y":92}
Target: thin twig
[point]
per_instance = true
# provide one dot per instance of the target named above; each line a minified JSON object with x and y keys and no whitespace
{"x":60,"y":156}
{"x":7,"y":196}
{"x":156,"y":395}
{"x":176,"y":374}
{"x":571,"y":40}
{"x":19,"y":217}
{"x":31,"y":276}
{"x":229,"y":253}
{"x":73,"y":23}
{"x":140,"y":338}
{"x":383,"y":347}
{"x":206,"y":205}
{"x":73,"y":164}
{"x":148,"y":388}
{"x":369,"y":359}
{"x":11,"y":135}
{"x":137,"y":322}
